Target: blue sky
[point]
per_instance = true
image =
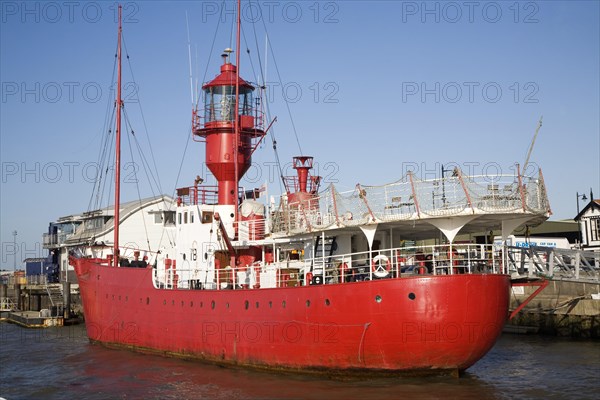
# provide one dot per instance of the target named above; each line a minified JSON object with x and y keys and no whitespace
{"x":374,"y":88}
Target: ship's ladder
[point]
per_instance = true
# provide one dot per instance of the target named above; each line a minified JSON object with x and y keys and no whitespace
{"x":55,"y":294}
{"x":324,"y":249}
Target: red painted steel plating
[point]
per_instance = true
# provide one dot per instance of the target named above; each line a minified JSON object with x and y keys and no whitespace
{"x":420,"y":323}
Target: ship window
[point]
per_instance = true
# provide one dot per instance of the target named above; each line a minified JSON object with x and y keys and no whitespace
{"x":169,"y":217}
{"x":185,"y":217}
{"x":207,"y":217}
{"x":94,"y":223}
{"x":246,"y":304}
{"x":179,"y":218}
{"x":191,"y":217}
{"x":327,"y":302}
{"x":158,"y":218}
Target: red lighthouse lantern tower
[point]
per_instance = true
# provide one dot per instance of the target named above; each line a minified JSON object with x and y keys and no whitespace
{"x":232,"y":126}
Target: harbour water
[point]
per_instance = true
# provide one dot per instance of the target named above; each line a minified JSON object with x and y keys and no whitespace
{"x":60,"y":363}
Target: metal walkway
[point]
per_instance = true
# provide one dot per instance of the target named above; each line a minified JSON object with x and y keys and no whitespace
{"x":554,"y":263}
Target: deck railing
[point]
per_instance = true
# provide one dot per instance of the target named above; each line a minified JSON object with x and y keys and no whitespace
{"x":393,"y":263}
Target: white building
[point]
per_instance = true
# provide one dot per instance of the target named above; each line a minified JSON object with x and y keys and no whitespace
{"x":589,"y":225}
{"x":145,"y":225}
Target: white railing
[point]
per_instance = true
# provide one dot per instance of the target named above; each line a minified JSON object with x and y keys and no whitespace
{"x":52,"y":240}
{"x":7,"y":304}
{"x":411,"y":199}
{"x":252,"y":230}
{"x":342,"y":268}
{"x":554,"y":263}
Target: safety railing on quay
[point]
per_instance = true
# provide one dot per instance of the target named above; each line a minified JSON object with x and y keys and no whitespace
{"x":554,"y":263}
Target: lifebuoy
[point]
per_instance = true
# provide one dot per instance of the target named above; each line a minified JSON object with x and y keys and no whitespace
{"x":381,"y":266}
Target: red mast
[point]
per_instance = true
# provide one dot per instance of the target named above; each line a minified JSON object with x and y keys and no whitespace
{"x":237,"y":108}
{"x":119,"y":104}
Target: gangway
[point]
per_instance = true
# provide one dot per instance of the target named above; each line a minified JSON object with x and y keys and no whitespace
{"x":554,"y":263}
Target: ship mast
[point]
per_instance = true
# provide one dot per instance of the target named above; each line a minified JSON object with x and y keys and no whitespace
{"x":119,"y":105}
{"x":236,"y":124}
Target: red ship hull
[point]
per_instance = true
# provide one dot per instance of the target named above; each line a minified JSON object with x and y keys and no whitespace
{"x":417,"y":323}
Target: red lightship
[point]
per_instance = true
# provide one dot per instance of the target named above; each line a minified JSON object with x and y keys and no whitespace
{"x":320,"y":280}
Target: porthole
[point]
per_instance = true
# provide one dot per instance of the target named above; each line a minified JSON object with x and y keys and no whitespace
{"x":164,"y":302}
{"x":283,"y":304}
{"x":412,"y":296}
{"x":191,"y":304}
{"x":270,"y":304}
{"x":257,"y":304}
{"x":307,"y":303}
{"x":147,"y":300}
{"x":327,"y":302}
{"x":182,"y":303}
{"x":212,"y":304}
{"x":378,"y":298}
{"x":246,"y":304}
{"x":227,"y":305}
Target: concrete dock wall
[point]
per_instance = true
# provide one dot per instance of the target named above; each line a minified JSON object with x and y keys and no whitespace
{"x":563,"y":308}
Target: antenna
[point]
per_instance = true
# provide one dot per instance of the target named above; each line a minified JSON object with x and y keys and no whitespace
{"x":187,"y":23}
{"x":532,"y":143}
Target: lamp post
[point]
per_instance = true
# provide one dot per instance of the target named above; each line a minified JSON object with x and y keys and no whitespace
{"x":583,"y":197}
